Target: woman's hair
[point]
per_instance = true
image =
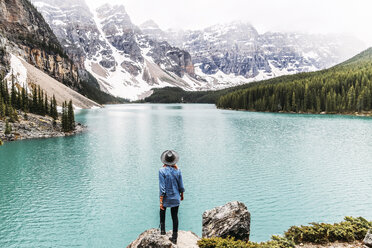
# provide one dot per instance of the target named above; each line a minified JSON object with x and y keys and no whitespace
{"x":173,"y":166}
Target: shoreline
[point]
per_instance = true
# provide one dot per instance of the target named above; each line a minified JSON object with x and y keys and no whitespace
{"x":36,"y":127}
{"x":357,"y":114}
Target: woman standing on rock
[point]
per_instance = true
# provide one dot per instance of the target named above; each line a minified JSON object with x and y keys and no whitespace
{"x":170,"y":190}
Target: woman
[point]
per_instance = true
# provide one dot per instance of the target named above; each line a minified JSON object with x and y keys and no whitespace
{"x":170,"y":190}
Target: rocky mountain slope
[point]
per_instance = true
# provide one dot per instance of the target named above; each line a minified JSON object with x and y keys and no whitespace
{"x":105,"y":42}
{"x":26,"y":34}
{"x":232,"y":53}
{"x":30,"y":51}
{"x":344,"y":88}
{"x":129,"y":60}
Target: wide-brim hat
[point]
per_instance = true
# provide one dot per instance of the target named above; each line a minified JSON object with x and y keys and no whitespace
{"x":169,"y":157}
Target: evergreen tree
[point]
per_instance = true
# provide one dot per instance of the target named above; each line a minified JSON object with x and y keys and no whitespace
{"x":18,"y":100}
{"x":64,"y":117}
{"x":53,"y":108}
{"x":68,"y":119}
{"x":34,"y":101}
{"x":13,"y":95}
{"x":8,"y":128}
{"x":2,"y":108}
{"x":46,"y":106}
{"x":343,"y":89}
{"x":24,"y":101}
{"x":71,"y":117}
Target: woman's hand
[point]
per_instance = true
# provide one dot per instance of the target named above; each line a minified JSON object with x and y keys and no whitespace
{"x":161,"y":202}
{"x":182,"y":196}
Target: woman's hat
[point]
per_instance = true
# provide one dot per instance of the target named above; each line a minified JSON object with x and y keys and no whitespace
{"x":169,"y":157}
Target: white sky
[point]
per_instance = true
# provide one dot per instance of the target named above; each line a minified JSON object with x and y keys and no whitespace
{"x":314,"y":16}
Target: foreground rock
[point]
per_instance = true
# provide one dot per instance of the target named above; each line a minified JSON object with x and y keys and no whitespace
{"x":35,"y":126}
{"x":367,"y":241}
{"x":231,"y":219}
{"x":152,"y":239}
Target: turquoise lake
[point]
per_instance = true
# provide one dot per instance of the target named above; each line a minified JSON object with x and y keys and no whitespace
{"x":100,"y":188}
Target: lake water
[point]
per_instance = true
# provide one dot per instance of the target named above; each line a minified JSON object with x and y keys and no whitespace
{"x":100,"y":188}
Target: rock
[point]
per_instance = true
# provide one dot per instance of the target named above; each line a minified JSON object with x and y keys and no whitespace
{"x":238,"y":49}
{"x":231,"y":219}
{"x":152,"y":239}
{"x":367,"y":241}
{"x":36,"y":126}
{"x":30,"y":37}
{"x":126,"y":50}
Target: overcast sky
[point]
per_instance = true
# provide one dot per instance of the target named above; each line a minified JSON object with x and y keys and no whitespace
{"x":315,"y":16}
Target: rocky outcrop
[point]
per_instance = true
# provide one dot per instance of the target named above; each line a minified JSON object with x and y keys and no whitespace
{"x":106,"y":43}
{"x":152,"y":239}
{"x":24,"y":33}
{"x":171,"y":58}
{"x":4,"y":56}
{"x":152,"y":29}
{"x":34,"y":127}
{"x":30,"y":37}
{"x":231,"y":219}
{"x":367,"y":241}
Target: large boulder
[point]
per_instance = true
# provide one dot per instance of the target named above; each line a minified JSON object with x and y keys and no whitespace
{"x":152,"y":239}
{"x":231,"y":219}
{"x":367,"y":241}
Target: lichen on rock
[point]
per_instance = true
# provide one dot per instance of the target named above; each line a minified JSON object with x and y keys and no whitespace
{"x":231,"y":219}
{"x":367,"y":241}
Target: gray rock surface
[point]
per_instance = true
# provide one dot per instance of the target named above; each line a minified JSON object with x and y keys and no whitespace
{"x":231,"y":219}
{"x":30,"y":36}
{"x":152,"y":239}
{"x":237,"y":48}
{"x":35,"y":127}
{"x":108,"y":37}
{"x":367,"y":241}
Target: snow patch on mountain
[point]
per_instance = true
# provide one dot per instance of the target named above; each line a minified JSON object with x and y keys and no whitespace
{"x":128,"y":61}
{"x":116,"y":79}
{"x":18,"y":72}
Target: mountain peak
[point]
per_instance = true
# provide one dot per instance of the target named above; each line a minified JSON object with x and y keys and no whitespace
{"x":115,"y":17}
{"x":233,"y":29}
{"x":149,"y":24}
{"x":108,"y":6}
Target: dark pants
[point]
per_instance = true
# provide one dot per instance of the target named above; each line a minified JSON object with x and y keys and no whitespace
{"x":174,"y":213}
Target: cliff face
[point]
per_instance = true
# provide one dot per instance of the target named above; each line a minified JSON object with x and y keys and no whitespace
{"x":27,"y":35}
{"x":105,"y":42}
{"x":236,"y":52}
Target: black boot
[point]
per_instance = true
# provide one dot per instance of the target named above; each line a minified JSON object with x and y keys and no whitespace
{"x":173,"y":239}
{"x":162,"y":228}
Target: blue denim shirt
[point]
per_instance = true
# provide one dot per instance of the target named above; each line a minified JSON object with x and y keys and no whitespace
{"x":170,"y":186}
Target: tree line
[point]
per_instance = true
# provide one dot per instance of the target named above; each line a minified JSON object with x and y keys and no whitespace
{"x":18,"y":99}
{"x":68,"y":118}
{"x":346,"y":88}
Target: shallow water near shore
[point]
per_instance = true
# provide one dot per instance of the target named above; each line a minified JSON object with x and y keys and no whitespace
{"x":100,"y":188}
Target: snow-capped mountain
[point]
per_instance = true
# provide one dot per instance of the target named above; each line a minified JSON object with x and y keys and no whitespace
{"x":152,"y":29}
{"x":129,"y":60}
{"x":236,"y":52}
{"x":105,"y":42}
{"x":30,"y":56}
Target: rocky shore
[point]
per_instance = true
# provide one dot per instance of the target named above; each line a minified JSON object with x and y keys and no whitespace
{"x":35,"y":126}
{"x":231,"y":220}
